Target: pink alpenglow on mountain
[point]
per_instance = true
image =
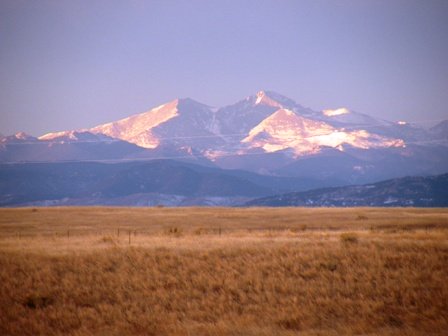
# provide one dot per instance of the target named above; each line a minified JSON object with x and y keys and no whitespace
{"x":266,"y":121}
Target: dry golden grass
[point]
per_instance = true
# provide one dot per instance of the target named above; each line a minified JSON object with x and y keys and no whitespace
{"x":202,"y":271}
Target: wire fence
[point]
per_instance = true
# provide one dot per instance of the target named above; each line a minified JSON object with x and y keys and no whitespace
{"x":130,"y":234}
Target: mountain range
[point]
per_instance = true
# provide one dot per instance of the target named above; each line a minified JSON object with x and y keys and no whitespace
{"x":266,"y":135}
{"x":175,"y":183}
{"x":154,"y":182}
{"x":430,"y":191}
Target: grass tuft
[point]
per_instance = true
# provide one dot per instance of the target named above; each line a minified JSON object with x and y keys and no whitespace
{"x":349,"y":238}
{"x":38,"y":301}
{"x":109,"y":240}
{"x":174,"y":231}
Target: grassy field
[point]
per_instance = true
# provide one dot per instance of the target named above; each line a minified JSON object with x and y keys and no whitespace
{"x":219,"y":271}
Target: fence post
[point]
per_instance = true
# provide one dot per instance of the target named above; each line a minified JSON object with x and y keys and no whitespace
{"x":129,"y":237}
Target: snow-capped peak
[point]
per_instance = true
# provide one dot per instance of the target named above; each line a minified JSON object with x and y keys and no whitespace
{"x":137,"y":128}
{"x":336,"y":112}
{"x":264,"y":99}
{"x":181,"y":120}
{"x":22,"y":136}
{"x":284,"y":129}
{"x":18,"y":137}
{"x":260,"y":96}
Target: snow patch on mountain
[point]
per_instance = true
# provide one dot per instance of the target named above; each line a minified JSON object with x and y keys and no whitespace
{"x":137,"y":128}
{"x":344,"y":117}
{"x":19,"y":137}
{"x":339,"y":111}
{"x":22,"y":136}
{"x":358,"y":139}
{"x":75,"y":136}
{"x":263,"y":98}
{"x":57,"y":135}
{"x":285,"y":129}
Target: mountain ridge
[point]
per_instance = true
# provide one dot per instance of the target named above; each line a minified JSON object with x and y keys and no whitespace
{"x":408,"y":191}
{"x":143,"y":182}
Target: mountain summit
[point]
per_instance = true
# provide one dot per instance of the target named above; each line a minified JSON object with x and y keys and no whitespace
{"x":180,"y":122}
{"x":265,"y":99}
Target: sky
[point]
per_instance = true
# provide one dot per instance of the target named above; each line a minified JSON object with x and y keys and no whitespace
{"x":75,"y":64}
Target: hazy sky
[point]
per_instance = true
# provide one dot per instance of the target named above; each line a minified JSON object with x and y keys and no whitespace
{"x":68,"y":64}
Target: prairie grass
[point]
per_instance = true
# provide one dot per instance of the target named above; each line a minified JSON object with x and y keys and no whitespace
{"x":161,"y":271}
{"x":349,"y":238}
